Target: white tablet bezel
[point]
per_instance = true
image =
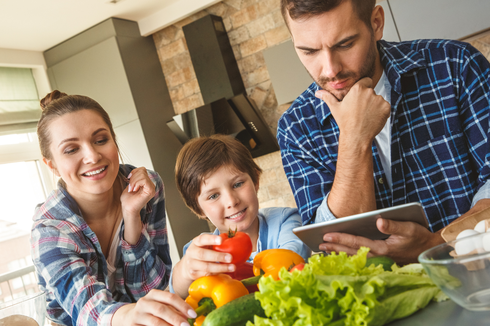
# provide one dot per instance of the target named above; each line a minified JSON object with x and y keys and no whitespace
{"x":363,"y":224}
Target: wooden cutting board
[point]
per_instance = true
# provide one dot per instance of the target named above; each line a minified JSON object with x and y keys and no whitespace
{"x":451,"y":231}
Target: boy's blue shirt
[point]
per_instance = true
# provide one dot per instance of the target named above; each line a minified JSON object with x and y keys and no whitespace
{"x":275,"y":231}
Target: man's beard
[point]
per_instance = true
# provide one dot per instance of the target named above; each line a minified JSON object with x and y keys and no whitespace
{"x":367,"y":70}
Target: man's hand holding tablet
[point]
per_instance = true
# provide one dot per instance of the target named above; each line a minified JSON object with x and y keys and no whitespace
{"x":349,"y":233}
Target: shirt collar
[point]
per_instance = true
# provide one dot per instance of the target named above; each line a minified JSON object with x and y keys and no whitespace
{"x":396,"y":59}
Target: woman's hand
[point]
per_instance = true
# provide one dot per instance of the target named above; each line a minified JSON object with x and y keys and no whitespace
{"x":133,"y":198}
{"x":156,"y":308}
{"x":200,"y":260}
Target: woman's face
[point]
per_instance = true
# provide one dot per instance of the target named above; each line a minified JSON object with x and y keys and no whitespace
{"x":83,"y":152}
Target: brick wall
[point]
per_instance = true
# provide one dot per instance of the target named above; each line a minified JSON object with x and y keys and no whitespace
{"x":252,"y":26}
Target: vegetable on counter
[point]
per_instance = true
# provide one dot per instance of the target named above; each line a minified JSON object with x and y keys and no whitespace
{"x":386,"y":262}
{"x":342,"y":290}
{"x":271,"y":261}
{"x":245,"y":273}
{"x":235,"y":313}
{"x":236,"y":243}
{"x":298,"y":267}
{"x":210,"y":292}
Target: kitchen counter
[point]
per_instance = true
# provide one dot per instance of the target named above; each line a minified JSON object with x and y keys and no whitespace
{"x":445,"y":313}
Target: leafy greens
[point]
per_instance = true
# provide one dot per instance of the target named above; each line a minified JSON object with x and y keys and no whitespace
{"x":340,"y":290}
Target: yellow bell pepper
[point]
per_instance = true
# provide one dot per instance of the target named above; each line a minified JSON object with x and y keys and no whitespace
{"x":210,"y":292}
{"x":270,"y":262}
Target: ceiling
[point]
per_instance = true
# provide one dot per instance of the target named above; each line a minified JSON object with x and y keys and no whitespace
{"x":37,"y":25}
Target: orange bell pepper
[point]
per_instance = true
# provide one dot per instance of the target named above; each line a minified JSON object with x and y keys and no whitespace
{"x":270,"y":262}
{"x":210,"y":292}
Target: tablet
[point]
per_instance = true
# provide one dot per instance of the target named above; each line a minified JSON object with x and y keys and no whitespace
{"x":363,"y":224}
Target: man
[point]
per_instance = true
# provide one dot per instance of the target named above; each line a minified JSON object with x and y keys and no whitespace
{"x":419,"y":136}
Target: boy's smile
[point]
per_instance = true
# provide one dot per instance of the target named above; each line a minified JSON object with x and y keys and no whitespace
{"x":229,"y":200}
{"x":238,"y":216}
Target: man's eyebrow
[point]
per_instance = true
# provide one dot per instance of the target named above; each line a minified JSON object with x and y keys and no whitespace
{"x":345,"y":40}
{"x":340,"y":43}
{"x":75,"y":139}
{"x":305,"y":48}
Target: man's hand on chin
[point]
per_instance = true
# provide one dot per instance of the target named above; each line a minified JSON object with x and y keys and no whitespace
{"x":361,"y":114}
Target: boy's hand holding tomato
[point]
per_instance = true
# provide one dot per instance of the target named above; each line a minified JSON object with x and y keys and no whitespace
{"x":210,"y":254}
{"x":238,"y":244}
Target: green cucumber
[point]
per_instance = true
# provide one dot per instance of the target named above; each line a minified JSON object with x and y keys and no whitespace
{"x":387,"y":262}
{"x":236,"y":312}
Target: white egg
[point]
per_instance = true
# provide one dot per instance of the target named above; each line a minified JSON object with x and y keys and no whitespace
{"x":466,"y":233}
{"x":464,"y":246}
{"x":480,"y":227}
{"x":486,"y":242}
{"x":478,"y":242}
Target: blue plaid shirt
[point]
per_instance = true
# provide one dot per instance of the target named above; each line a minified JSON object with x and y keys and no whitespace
{"x":439,"y":120}
{"x":72,"y":269}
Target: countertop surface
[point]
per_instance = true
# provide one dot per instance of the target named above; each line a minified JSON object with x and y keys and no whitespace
{"x":445,"y":314}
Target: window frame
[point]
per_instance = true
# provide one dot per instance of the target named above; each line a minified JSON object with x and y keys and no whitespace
{"x":29,"y":151}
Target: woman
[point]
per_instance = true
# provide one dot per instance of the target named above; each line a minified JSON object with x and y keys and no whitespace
{"x":99,"y":242}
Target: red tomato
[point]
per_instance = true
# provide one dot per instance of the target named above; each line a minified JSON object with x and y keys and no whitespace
{"x":298,"y":267}
{"x":238,"y":244}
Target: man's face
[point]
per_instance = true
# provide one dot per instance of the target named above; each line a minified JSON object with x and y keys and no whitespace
{"x":336,"y":48}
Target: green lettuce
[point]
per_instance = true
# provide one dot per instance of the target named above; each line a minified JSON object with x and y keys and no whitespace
{"x":340,"y":290}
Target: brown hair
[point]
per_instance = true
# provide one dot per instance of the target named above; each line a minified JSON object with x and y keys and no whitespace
{"x":306,"y":8}
{"x":56,"y":104}
{"x":204,"y":155}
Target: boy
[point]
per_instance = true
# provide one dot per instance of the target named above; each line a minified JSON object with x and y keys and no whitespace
{"x":218,"y":180}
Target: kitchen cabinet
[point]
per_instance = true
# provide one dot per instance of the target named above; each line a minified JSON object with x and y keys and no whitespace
{"x":112,"y":63}
{"x":446,"y":19}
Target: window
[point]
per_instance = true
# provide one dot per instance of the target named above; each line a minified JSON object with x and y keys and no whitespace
{"x":16,"y":138}
{"x":25,"y":183}
{"x":25,"y":179}
{"x":25,"y":190}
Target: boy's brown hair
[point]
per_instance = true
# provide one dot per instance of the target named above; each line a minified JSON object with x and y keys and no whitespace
{"x":203,"y":156}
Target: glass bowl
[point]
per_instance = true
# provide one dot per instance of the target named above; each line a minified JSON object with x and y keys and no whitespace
{"x":463,"y":278}
{"x":26,"y":311}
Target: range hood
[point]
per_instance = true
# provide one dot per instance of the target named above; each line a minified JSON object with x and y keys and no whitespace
{"x":227,"y":109}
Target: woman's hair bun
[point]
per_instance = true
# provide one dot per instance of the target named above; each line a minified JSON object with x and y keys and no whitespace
{"x":54,"y":95}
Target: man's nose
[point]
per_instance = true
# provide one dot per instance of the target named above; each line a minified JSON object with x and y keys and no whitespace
{"x":331,"y":65}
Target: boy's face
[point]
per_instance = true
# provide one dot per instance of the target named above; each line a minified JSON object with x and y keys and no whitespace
{"x":229,"y":200}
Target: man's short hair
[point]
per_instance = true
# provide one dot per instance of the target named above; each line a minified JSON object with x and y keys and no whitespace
{"x":298,"y":9}
{"x":202,"y":156}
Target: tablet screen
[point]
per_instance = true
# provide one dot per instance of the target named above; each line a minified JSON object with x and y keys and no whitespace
{"x":361,"y":224}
